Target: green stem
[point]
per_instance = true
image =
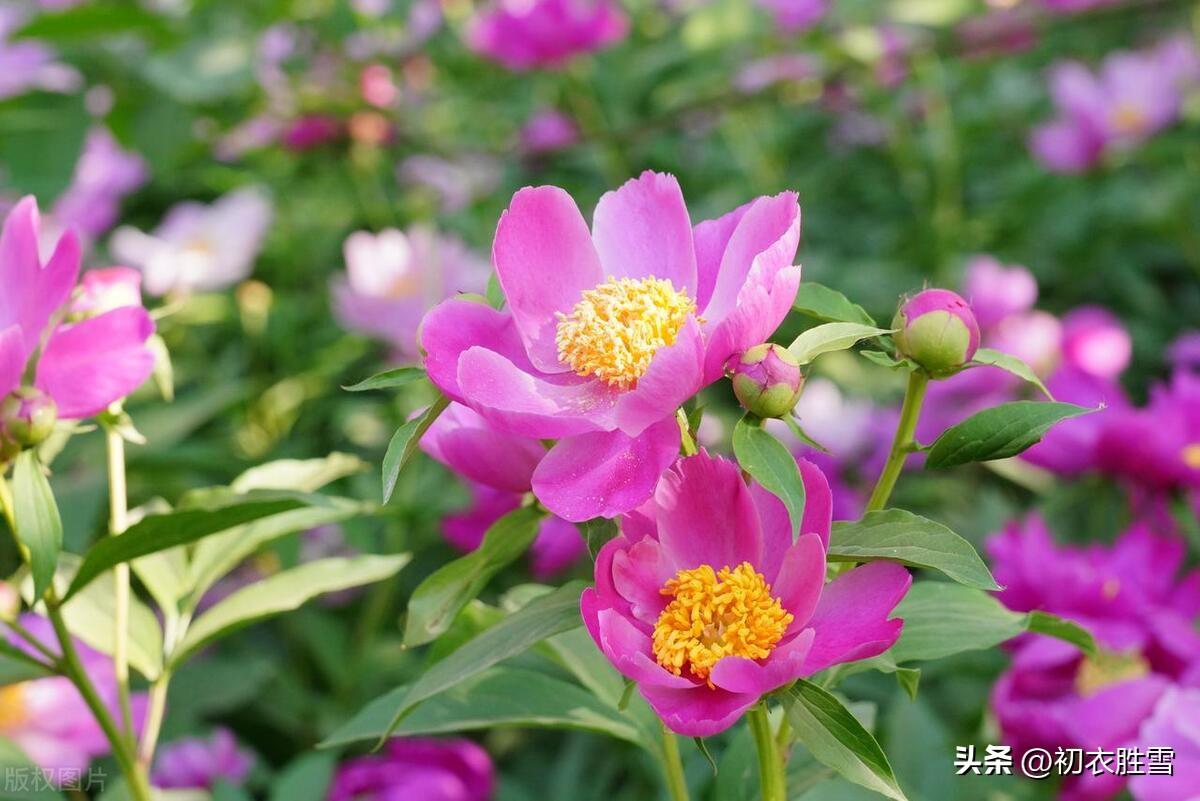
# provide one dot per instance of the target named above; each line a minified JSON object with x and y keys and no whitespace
{"x":154,"y":719}
{"x":770,"y":766}
{"x":903,"y":443}
{"x":26,"y":635}
{"x":139,"y":787}
{"x":118,"y":511}
{"x":686,"y":442}
{"x":673,"y":768}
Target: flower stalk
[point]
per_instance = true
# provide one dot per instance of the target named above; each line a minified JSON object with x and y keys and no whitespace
{"x":903,"y":443}
{"x":117,"y":520}
{"x":770,"y":764}
{"x":673,"y":768}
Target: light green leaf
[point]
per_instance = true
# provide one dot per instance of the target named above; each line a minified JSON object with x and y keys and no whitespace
{"x":1059,"y":628}
{"x":395,"y":377}
{"x":89,"y":615}
{"x":895,"y":535}
{"x":829,"y":305}
{"x":835,"y":737}
{"x":1011,"y":364}
{"x":304,"y":779}
{"x":283,"y":592}
{"x":439,"y":598}
{"x":499,"y":697}
{"x":299,"y":475}
{"x":998,"y":432}
{"x":884,"y":360}
{"x":39,"y":528}
{"x":830,"y":337}
{"x":941,"y":618}
{"x":404,"y":444}
{"x":543,"y":617}
{"x":772,"y":465}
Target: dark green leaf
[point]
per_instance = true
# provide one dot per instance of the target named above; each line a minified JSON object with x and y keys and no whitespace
{"x":703,"y":748}
{"x":39,"y":528}
{"x":771,"y":465}
{"x":895,"y":535}
{"x":440,"y":597}
{"x":17,"y":666}
{"x":1010,"y":364}
{"x":829,"y":305}
{"x":94,"y":20}
{"x":23,"y":776}
{"x":835,"y":737}
{"x":596,"y":532}
{"x":543,"y":617}
{"x":830,"y":337}
{"x":999,"y":432}
{"x":404,"y":444}
{"x":1040,"y":622}
{"x":395,"y":377}
{"x":305,"y":779}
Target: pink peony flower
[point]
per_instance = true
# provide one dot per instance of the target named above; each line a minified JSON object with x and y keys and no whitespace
{"x":27,"y":64}
{"x":498,"y":468}
{"x":107,"y":288}
{"x":548,"y":130}
{"x":104,"y":175}
{"x":414,"y":768}
{"x":607,"y":333}
{"x":84,"y":366}
{"x":525,"y":34}
{"x":996,"y":290}
{"x":706,"y":529}
{"x":197,"y":763}
{"x":793,"y":16}
{"x":392,"y":278}
{"x":1175,"y":724}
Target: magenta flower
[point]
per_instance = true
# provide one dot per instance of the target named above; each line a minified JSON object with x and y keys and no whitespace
{"x":392,"y":278}
{"x":793,"y":16}
{"x":710,"y":548}
{"x":312,"y":131}
{"x":1173,"y":725}
{"x":548,"y":130}
{"x":417,"y":768}
{"x":27,"y":64}
{"x":48,"y":719}
{"x":937,"y":329}
{"x":107,"y":288}
{"x":498,"y":468}
{"x":84,"y":366}
{"x":526,"y":34}
{"x":1095,"y":341}
{"x":197,"y":763}
{"x":607,"y":333}
{"x":104,"y":175}
{"x":996,"y":290}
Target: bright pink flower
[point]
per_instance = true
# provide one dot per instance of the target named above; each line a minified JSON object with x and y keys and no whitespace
{"x":706,"y":527}
{"x":524,"y":34}
{"x":1095,"y":341}
{"x":107,"y":288}
{"x":1175,"y":725}
{"x":392,"y":278}
{"x":996,"y":290}
{"x":603,"y":338}
{"x":793,"y":16}
{"x":84,"y":366}
{"x":197,"y":763}
{"x":413,"y":768}
{"x":548,"y":130}
{"x":498,"y":468}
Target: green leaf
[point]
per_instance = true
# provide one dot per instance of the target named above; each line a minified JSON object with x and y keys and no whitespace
{"x":703,"y":748}
{"x":284,"y":592}
{"x":160,"y":532}
{"x":772,"y":465}
{"x":396,"y":377}
{"x":829,"y":305}
{"x":299,"y":475}
{"x":439,"y":598}
{"x":1040,"y":622}
{"x":835,"y":737}
{"x":799,"y":433}
{"x":17,"y":666}
{"x":23,"y":778}
{"x":885,"y":360}
{"x":39,"y":528}
{"x":495,"y":294}
{"x":499,"y":697}
{"x":92,"y":21}
{"x":830,"y":337}
{"x":90,"y":616}
{"x":1011,"y":364}
{"x":998,"y":433}
{"x":404,"y":444}
{"x":596,"y":532}
{"x":304,"y":779}
{"x":941,"y":619}
{"x":895,"y":535}
{"x":543,"y":617}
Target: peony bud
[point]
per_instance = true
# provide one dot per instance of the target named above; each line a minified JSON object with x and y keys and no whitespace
{"x":27,"y":416}
{"x":937,"y":330}
{"x":767,"y":380}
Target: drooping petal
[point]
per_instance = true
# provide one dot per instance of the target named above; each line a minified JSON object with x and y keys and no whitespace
{"x":531,"y":405}
{"x":699,"y":711}
{"x":706,"y":514}
{"x":784,"y":665}
{"x":605,"y":473}
{"x":88,"y":365}
{"x":454,"y":326}
{"x":851,"y":619}
{"x":801,"y":578}
{"x":544,"y":259}
{"x":642,"y":229}
{"x":673,"y":377}
{"x":463,"y":440}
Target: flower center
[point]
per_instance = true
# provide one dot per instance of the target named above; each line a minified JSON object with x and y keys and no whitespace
{"x":1107,"y":668}
{"x":13,"y":711}
{"x":1128,"y":119}
{"x":1191,"y":455}
{"x":614,"y":331}
{"x":714,"y":615}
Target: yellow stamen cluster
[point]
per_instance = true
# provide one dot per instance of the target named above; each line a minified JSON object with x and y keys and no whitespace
{"x":1191,"y":455}
{"x":717,"y":614}
{"x":614,"y":331}
{"x":1107,"y":668}
{"x":13,"y":710}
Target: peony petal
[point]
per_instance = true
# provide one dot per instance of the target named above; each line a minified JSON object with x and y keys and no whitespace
{"x":761,"y":307}
{"x":673,"y":377}
{"x":544,"y":259}
{"x":88,"y":365}
{"x":12,"y":359}
{"x":699,"y":711}
{"x":801,"y":579}
{"x":630,"y":652}
{"x":463,"y":440}
{"x":851,"y":618}
{"x":711,"y":238}
{"x":32,"y":293}
{"x":818,"y":502}
{"x":643,"y":229}
{"x":783,"y":666}
{"x":558,"y":546}
{"x":706,"y":514}
{"x":454,"y":326}
{"x":639,"y":575}
{"x":604,"y":474}
{"x":528,"y":404}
